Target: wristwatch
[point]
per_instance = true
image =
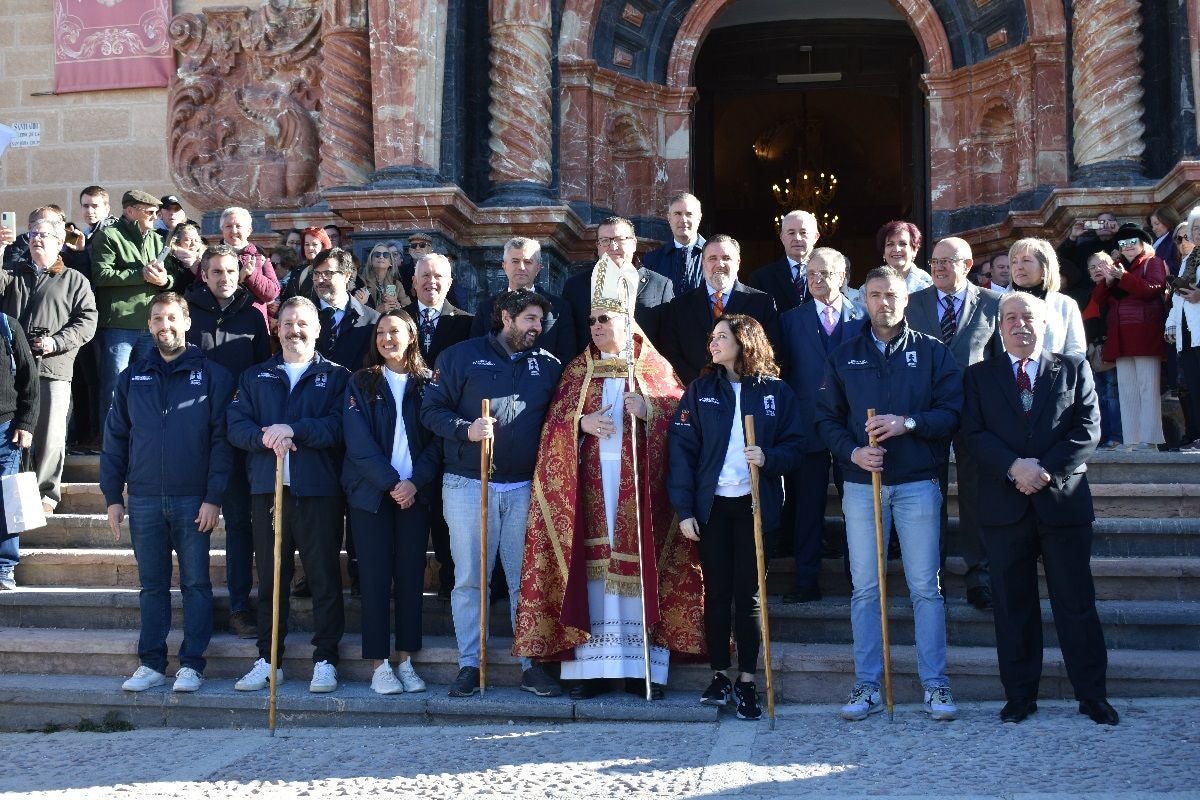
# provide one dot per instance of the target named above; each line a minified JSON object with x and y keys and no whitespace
{"x":910,"y":424}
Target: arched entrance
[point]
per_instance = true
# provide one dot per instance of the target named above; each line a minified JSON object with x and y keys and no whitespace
{"x":780,"y":97}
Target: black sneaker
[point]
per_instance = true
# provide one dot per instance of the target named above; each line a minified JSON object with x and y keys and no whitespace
{"x":719,"y":692}
{"x":536,"y":680}
{"x":747,"y":700}
{"x":466,"y":683}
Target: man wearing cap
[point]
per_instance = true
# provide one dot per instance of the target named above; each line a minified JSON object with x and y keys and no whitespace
{"x":170,"y":214}
{"x":127,"y":273}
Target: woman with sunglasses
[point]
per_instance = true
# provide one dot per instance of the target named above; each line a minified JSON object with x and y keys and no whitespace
{"x":1132,"y":294}
{"x":1183,"y":326}
{"x":1033,"y":267}
{"x":381,"y":279}
{"x":391,"y":463}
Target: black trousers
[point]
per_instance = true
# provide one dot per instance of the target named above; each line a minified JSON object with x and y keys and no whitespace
{"x":811,"y":491}
{"x":1066,"y":551}
{"x":967,"y":542}
{"x":391,"y":551}
{"x":439,"y":538}
{"x":313,"y":525}
{"x":1189,"y":360}
{"x":730,"y":568}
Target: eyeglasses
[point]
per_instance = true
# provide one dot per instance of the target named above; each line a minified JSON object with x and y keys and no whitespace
{"x":326,"y":274}
{"x":43,"y":235}
{"x":607,"y":241}
{"x":813,"y":273}
{"x":1181,"y":238}
{"x":1128,"y":243}
{"x":603,"y":319}
{"x":422,"y":245}
{"x":945,"y":262}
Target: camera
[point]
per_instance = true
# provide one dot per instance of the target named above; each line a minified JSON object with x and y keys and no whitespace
{"x":34,"y":332}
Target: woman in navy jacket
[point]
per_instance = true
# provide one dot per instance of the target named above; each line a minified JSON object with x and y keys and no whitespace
{"x":709,"y":486}
{"x":391,"y":460}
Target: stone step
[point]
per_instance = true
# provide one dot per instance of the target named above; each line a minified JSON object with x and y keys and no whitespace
{"x":1128,"y":624}
{"x":1117,"y":578}
{"x":1114,"y":536}
{"x":804,"y":673}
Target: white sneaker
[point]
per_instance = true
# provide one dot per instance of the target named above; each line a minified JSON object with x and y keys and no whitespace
{"x":324,"y":677}
{"x":145,"y":678}
{"x":408,"y":676}
{"x":864,"y":700}
{"x":187,"y":680}
{"x":258,"y":677}
{"x":384,"y":681}
{"x":939,"y":703}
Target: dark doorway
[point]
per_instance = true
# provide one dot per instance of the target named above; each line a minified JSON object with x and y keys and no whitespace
{"x":834,"y":95}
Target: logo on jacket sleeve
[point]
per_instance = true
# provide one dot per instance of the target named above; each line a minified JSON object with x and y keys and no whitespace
{"x":353,"y":406}
{"x":714,"y":401}
{"x":320,"y":380}
{"x":196,"y":377}
{"x":910,"y":358}
{"x":534,"y":369}
{"x":436,"y":377}
{"x":142,"y":378}
{"x":769,"y":405}
{"x":685,"y":418}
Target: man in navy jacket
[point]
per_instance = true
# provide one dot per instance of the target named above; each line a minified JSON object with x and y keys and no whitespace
{"x":679,"y":259}
{"x":913,"y":384}
{"x":231,"y":332}
{"x":510,"y":370}
{"x":290,"y":407}
{"x":165,"y":440}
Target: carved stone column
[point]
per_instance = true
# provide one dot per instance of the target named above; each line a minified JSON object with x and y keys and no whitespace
{"x":520,"y":103}
{"x":1107,"y":90}
{"x":347,"y":143}
{"x":408,"y":44}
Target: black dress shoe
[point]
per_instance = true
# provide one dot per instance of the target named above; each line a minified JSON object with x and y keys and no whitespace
{"x":980,"y":597}
{"x":300,"y":588}
{"x":1017,"y":710}
{"x":1099,"y":711}
{"x":803,"y":596}
{"x":637,"y":686}
{"x":587,"y":689}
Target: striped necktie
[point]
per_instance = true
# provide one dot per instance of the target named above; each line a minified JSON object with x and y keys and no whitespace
{"x":718,"y":304}
{"x":949,"y":320}
{"x":1024,"y":386}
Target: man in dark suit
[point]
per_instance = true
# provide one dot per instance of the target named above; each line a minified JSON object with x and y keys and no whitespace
{"x":615,"y":238}
{"x":690,"y":317}
{"x":522,"y":263}
{"x":439,"y":325}
{"x":785,"y":279}
{"x":679,"y":259}
{"x":346,"y":324}
{"x":964,"y":317}
{"x":1031,"y":419}
{"x":810,"y":332}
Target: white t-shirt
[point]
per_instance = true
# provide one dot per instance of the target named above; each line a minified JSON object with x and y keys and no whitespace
{"x":401,"y":454}
{"x":294,"y":371}
{"x":734,"y":478}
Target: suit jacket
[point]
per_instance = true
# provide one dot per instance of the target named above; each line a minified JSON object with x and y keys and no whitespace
{"x":354,"y":336}
{"x":776,"y":280}
{"x":665,"y":262}
{"x":453,"y":325}
{"x":1061,"y":432}
{"x":688,"y":320}
{"x":978,"y":334}
{"x":805,"y":348}
{"x":654,"y":292}
{"x":558,"y":329}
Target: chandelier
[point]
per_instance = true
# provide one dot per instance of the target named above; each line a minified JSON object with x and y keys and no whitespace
{"x":811,"y":187}
{"x":827,"y":222}
{"x":811,"y":191}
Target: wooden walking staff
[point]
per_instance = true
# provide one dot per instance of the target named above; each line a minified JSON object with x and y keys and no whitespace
{"x":485,"y":469}
{"x":760,"y":555}
{"x":277,"y":524}
{"x":881,"y":565}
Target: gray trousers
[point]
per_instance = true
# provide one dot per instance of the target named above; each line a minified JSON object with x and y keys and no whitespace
{"x":50,"y":437}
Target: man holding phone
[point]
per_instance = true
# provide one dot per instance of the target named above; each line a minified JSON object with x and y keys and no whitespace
{"x":1089,"y":236}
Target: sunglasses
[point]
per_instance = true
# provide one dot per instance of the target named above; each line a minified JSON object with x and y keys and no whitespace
{"x":1128,"y":243}
{"x":1181,"y":238}
{"x":603,"y":319}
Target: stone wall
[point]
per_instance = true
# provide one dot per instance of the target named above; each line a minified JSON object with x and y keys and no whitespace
{"x":114,"y":139}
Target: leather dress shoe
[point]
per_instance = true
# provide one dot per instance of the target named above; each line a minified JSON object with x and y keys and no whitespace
{"x":587,"y":689}
{"x":1099,"y":711}
{"x":980,"y":597}
{"x":637,"y":686}
{"x":802,"y":596}
{"x":1017,"y":710}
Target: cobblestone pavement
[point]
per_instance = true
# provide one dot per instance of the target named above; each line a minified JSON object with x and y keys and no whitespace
{"x":1057,"y":754}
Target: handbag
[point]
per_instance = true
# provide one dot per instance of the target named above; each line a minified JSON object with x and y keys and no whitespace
{"x":22,"y":500}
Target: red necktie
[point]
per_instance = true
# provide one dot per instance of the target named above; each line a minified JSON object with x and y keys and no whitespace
{"x":718,"y":304}
{"x":1024,"y":386}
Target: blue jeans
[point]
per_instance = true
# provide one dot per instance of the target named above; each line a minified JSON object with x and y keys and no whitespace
{"x":119,"y":348}
{"x":158,"y":525}
{"x":1110,"y":406}
{"x":916,"y":508}
{"x":507,"y":512}
{"x":10,"y":464}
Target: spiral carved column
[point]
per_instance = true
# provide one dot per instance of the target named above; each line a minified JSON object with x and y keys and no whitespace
{"x":520,"y":100}
{"x":347,"y":138}
{"x":1107,"y":88}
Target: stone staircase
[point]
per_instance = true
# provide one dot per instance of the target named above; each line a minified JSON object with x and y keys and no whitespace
{"x":69,"y":633}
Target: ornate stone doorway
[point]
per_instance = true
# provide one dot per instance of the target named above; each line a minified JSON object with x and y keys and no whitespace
{"x":837,"y":95}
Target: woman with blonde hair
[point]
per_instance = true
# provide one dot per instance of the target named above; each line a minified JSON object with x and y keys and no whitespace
{"x":381,"y":278}
{"x":1033,"y":265}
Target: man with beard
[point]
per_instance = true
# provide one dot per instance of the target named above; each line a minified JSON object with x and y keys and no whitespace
{"x":509,"y":369}
{"x":582,"y":587}
{"x":231,"y":332}
{"x":913,"y":383}
{"x":290,"y":407}
{"x":165,"y":440}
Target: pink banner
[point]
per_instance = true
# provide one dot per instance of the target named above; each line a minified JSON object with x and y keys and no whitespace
{"x":111,"y":44}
